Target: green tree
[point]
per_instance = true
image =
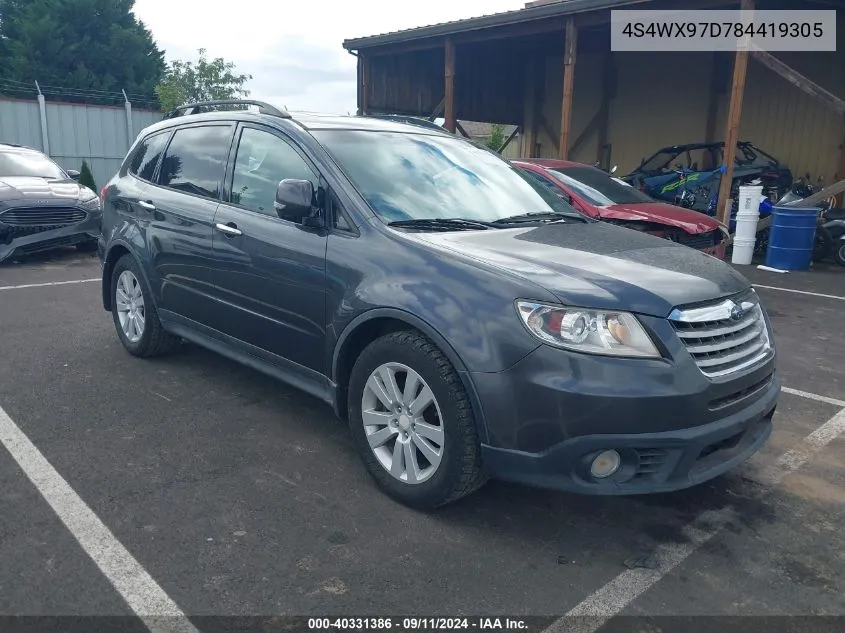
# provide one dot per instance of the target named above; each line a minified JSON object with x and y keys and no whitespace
{"x":78,"y":50}
{"x":497,"y":137}
{"x":202,"y":80}
{"x":86,"y":178}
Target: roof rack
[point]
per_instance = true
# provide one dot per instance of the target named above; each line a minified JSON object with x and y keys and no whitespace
{"x":194,"y":108}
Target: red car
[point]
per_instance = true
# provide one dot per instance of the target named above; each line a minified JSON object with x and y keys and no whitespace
{"x":598,"y":194}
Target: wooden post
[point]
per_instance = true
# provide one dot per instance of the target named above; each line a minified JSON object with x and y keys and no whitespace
{"x":449,"y":100}
{"x":568,"y":85}
{"x":732,"y":132}
{"x":365,"y":83}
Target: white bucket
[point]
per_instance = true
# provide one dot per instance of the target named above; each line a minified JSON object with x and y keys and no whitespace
{"x":743,"y":250}
{"x":750,"y":197}
{"x":746,"y":226}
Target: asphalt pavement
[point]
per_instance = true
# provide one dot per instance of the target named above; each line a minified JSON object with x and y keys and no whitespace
{"x":238,"y":495}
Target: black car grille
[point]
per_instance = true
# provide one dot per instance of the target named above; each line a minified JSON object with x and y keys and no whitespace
{"x":721,"y":344}
{"x":699,"y":241}
{"x":51,"y":217}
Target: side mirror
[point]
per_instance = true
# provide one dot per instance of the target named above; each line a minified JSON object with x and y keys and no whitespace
{"x":294,"y":200}
{"x":74,"y":174}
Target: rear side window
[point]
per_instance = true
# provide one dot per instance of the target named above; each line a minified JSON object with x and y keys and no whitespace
{"x":146,"y":156}
{"x":195,"y":160}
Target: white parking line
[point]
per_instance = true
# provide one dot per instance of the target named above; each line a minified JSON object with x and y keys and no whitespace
{"x":813,"y":396}
{"x":143,"y":595}
{"x":595,"y":610}
{"x":800,"y":292}
{"x":50,"y":283}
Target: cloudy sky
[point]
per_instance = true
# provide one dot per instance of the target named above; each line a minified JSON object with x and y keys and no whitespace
{"x":293,"y":48}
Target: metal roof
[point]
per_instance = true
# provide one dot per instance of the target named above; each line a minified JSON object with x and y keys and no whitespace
{"x":517,"y":16}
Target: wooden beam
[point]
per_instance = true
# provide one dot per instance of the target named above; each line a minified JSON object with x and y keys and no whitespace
{"x":732,"y":131}
{"x":508,"y":140}
{"x":438,"y":110}
{"x":568,"y":86}
{"x":365,"y":84}
{"x":820,"y":196}
{"x":797,"y":79}
{"x":461,"y":129}
{"x":449,"y":98}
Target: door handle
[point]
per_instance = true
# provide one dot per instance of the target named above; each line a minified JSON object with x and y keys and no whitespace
{"x":149,"y":206}
{"x":230,"y":229}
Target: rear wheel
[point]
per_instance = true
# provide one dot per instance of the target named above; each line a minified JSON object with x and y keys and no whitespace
{"x":412,"y":422}
{"x":135,"y":316}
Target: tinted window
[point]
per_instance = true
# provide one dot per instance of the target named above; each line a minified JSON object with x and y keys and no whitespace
{"x":598,"y":187}
{"x":417,"y":176}
{"x":29,"y":163}
{"x":146,"y":157}
{"x":263,"y":159}
{"x":194,"y":160}
{"x":545,"y":182}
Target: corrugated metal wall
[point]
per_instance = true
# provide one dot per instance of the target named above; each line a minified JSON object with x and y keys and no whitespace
{"x":76,"y":132}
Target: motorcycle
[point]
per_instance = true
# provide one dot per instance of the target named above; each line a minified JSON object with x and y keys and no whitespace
{"x":839,"y":252}
{"x":832,"y":228}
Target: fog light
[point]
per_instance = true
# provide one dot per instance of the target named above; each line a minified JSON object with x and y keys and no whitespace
{"x":605,"y":464}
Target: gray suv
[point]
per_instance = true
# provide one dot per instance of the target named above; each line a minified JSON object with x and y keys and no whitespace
{"x":466,"y":322}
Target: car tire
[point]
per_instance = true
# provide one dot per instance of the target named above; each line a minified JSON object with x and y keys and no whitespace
{"x":839,"y":253}
{"x":88,"y":246}
{"x":409,"y":356}
{"x":144,"y":337}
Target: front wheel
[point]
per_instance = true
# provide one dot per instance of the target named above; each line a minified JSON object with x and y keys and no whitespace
{"x":412,"y":422}
{"x":839,"y":253}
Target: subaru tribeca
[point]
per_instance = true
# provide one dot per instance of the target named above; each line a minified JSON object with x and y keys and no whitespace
{"x":465,"y":321}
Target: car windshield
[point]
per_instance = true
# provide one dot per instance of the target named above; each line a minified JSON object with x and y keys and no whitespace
{"x":29,"y":164}
{"x":598,"y":187}
{"x":405,"y":176}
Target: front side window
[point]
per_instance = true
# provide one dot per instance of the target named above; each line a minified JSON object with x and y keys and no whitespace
{"x":30,"y":164}
{"x":262,"y":161}
{"x":195,"y":159}
{"x":146,"y":157}
{"x":406,"y":176}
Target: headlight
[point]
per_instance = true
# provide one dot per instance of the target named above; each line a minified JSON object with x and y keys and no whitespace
{"x":605,"y":332}
{"x":92,"y":204}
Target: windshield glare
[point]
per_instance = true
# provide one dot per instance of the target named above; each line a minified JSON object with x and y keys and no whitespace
{"x":29,"y":164}
{"x":597,"y":187}
{"x":411,"y":176}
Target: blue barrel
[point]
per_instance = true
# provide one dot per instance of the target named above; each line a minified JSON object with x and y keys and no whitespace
{"x":791,"y":238}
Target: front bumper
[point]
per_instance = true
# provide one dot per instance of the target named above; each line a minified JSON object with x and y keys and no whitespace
{"x":546,"y":421}
{"x":84,"y":231}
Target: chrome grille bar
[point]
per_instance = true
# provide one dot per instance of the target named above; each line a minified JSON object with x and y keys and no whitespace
{"x":726,"y":336}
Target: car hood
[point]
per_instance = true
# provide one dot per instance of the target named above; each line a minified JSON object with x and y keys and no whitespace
{"x":692,"y":222}
{"x":597,"y":265}
{"x":31,"y":188}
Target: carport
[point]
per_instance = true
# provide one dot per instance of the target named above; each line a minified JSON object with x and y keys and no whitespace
{"x":548,"y":69}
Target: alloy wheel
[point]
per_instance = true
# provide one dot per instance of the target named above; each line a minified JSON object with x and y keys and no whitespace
{"x":402,"y":423}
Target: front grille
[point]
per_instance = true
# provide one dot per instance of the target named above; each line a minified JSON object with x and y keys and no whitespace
{"x":699,"y":241}
{"x":726,"y":336}
{"x":42,"y":216}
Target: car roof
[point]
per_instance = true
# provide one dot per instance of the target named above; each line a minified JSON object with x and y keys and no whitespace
{"x":309,"y":121}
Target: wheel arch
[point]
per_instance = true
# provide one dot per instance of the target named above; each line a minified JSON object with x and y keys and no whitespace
{"x":367,"y":327}
{"x":115,"y":252}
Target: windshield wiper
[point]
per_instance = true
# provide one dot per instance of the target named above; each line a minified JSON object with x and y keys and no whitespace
{"x":539,"y":216}
{"x":441,"y":223}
